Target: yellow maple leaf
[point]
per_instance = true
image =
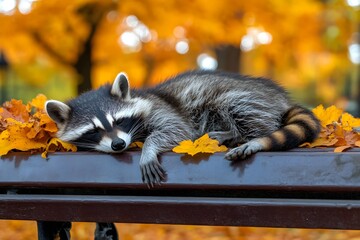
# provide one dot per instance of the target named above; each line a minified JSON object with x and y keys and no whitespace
{"x":14,"y":138}
{"x":46,"y":122}
{"x":186,"y":146}
{"x":23,"y":125}
{"x":349,"y":122}
{"x":55,"y":144}
{"x":327,"y":116}
{"x":38,"y":102}
{"x":202,"y":145}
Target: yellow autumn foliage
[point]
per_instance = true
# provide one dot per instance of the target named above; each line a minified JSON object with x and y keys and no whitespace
{"x":327,"y":116}
{"x":28,"y":128}
{"x":338,"y":129}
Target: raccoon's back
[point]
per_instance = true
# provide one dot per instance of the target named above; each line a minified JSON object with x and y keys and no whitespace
{"x":216,"y":101}
{"x":199,"y":88}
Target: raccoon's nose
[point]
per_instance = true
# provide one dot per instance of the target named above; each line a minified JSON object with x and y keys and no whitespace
{"x":118,"y":144}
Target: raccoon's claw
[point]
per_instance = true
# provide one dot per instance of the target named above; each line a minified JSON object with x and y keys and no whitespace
{"x":152,"y":173}
{"x":244,"y":150}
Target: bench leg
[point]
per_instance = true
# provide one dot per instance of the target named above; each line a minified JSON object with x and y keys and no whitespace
{"x":106,"y":231}
{"x":53,"y":230}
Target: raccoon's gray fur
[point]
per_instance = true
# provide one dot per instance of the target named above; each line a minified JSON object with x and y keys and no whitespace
{"x":232,"y":108}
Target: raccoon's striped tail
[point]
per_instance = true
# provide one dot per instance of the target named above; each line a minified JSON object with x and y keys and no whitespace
{"x":299,"y":125}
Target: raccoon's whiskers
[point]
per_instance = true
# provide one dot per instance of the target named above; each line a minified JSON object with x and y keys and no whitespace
{"x":138,"y":137}
{"x":136,"y":129}
{"x":85,"y":143}
{"x":136,"y":125}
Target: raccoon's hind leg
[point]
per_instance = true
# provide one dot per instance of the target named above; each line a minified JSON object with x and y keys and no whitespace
{"x":299,"y":126}
{"x":246,"y":149}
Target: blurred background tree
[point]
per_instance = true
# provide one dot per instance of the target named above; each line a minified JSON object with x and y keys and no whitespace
{"x":62,"y":48}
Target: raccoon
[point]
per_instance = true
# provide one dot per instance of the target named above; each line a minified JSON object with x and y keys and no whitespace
{"x":232,"y":108}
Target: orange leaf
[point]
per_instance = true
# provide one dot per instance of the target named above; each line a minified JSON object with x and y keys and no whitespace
{"x":56,"y":144}
{"x":351,"y":137}
{"x":357,"y":143}
{"x":23,"y":131}
{"x":202,"y":145}
{"x":136,"y":145}
{"x":38,"y":102}
{"x":46,"y":122}
{"x":321,"y":142}
{"x":50,"y":127}
{"x":339,"y":131}
{"x":34,"y":131}
{"x":4,"y":114}
{"x":340,"y":142}
{"x":17,"y":110}
{"x":342,"y":148}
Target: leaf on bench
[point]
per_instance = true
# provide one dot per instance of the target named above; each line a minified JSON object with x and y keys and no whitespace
{"x":202,"y":145}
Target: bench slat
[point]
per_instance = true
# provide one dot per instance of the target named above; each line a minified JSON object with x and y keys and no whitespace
{"x":277,"y":171}
{"x":301,"y":213}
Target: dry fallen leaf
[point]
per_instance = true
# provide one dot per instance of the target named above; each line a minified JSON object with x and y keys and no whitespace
{"x":38,"y":102}
{"x":56,"y":144}
{"x":202,"y":145}
{"x":327,"y":116}
{"x":136,"y":145}
{"x":338,"y":129}
{"x":28,"y":128}
{"x":348,"y":122}
{"x":321,"y":142}
{"x":342,"y":148}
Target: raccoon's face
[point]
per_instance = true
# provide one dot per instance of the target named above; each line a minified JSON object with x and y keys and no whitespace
{"x":106,"y":120}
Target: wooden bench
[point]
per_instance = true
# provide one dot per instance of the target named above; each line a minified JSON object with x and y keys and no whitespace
{"x":300,"y":188}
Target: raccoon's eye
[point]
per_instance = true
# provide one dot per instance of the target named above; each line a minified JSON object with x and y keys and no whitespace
{"x":119,"y":121}
{"x":93,"y":131}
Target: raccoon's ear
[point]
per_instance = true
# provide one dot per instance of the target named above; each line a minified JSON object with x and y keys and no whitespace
{"x":57,"y":111}
{"x":121,"y":87}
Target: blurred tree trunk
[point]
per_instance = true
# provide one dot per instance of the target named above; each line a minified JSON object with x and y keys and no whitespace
{"x":92,"y":13}
{"x":228,"y":58}
{"x":149,"y":64}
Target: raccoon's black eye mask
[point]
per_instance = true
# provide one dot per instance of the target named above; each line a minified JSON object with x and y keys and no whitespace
{"x":88,"y":139}
{"x":126,"y":124}
{"x":93,"y":131}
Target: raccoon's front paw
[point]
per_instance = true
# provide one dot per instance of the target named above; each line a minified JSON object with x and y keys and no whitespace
{"x":244,"y":150}
{"x":152,"y":172}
